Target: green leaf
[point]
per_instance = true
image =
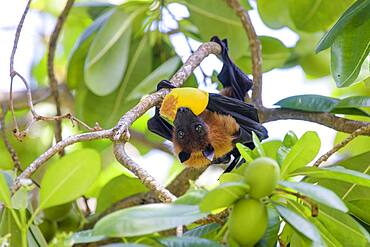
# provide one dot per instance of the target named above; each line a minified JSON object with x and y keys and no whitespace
{"x":257,"y":143}
{"x":69,"y":177}
{"x":318,"y":193}
{"x":335,"y":172}
{"x":192,"y":197}
{"x":107,"y":57}
{"x":140,"y":65}
{"x":303,"y":152}
{"x":9,"y":226}
{"x":4,"y":191}
{"x":271,"y":148}
{"x":328,"y":39}
{"x":290,"y":139}
{"x":309,"y":102}
{"x":215,"y":17}
{"x":146,"y":219}
{"x":319,"y":103}
{"x":360,"y":209}
{"x":231,"y":177}
{"x":354,"y":101}
{"x":223,"y":196}
{"x":267,"y":10}
{"x":345,"y":228}
{"x":349,"y":51}
{"x":299,"y":223}
{"x":86,"y":236}
{"x":188,"y":241}
{"x":147,"y":85}
{"x":117,"y":189}
{"x":274,"y":55}
{"x":79,"y":52}
{"x":270,"y":236}
{"x":202,"y":230}
{"x":245,"y":152}
{"x":19,"y":199}
{"x":316,"y":15}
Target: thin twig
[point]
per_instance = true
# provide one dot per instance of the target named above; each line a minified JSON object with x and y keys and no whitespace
{"x":356,"y":133}
{"x":255,"y":48}
{"x":50,"y":65}
{"x":313,"y":206}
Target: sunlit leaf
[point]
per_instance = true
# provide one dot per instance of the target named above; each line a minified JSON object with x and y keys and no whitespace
{"x":69,"y":177}
{"x":4,"y":191}
{"x":188,"y":241}
{"x":146,"y":219}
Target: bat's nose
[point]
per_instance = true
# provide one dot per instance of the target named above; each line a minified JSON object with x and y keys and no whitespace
{"x":183,"y":109}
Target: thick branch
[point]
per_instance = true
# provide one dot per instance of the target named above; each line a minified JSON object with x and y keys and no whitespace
{"x":255,"y":48}
{"x":326,"y":119}
{"x":36,"y":164}
{"x":163,"y":194}
{"x":52,"y":79}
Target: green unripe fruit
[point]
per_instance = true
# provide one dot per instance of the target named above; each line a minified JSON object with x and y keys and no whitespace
{"x":248,"y":221}
{"x":262,"y":175}
{"x":57,"y":213}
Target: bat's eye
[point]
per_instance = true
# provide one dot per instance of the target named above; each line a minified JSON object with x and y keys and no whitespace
{"x":199,"y":128}
{"x":180,"y":134}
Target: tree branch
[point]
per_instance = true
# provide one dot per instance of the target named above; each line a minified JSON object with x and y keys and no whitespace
{"x":326,"y":119}
{"x":356,"y":133}
{"x":255,"y":48}
{"x":50,"y":64}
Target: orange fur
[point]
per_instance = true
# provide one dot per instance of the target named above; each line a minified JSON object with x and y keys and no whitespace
{"x":221,"y":132}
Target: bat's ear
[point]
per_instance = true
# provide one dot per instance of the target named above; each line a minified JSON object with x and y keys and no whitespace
{"x":184,"y":156}
{"x":209,"y":152}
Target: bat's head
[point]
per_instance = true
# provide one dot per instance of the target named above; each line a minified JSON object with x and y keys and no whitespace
{"x":191,"y":135}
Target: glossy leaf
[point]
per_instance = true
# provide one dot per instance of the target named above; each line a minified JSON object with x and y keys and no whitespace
{"x":107,"y":57}
{"x":350,"y":49}
{"x":117,"y":189}
{"x":79,"y":52}
{"x":86,"y":236}
{"x":4,"y":191}
{"x":335,"y":172}
{"x":303,"y":152}
{"x":354,"y":101}
{"x":360,"y":209}
{"x":69,"y":177}
{"x":309,"y":102}
{"x":318,"y":193}
{"x":192,"y":197}
{"x":328,"y":39}
{"x":215,"y":17}
{"x":146,"y":219}
{"x":203,"y":230}
{"x":316,"y":15}
{"x":187,"y":241}
{"x":223,"y":196}
{"x":274,"y":55}
{"x":149,"y":84}
{"x":299,"y":223}
{"x":9,"y":226}
{"x":345,"y":228}
{"x":267,"y":10}
{"x":258,"y":145}
{"x":245,"y":152}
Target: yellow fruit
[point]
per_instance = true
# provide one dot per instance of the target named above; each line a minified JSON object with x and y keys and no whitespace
{"x":248,"y":221}
{"x":262,"y":175}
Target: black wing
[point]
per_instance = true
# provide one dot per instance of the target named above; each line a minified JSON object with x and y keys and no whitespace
{"x":160,"y":126}
{"x":244,"y":114}
{"x":231,"y":75}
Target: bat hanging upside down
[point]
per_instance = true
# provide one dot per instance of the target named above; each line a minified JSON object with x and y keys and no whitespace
{"x":206,"y":126}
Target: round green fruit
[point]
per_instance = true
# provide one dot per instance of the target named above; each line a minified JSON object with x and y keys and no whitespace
{"x":70,"y":223}
{"x":248,"y":221}
{"x":262,"y":175}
